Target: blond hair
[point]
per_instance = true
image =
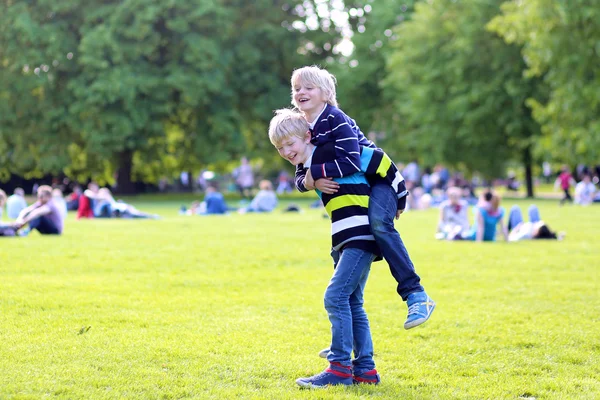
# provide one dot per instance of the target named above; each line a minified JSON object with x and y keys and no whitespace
{"x":495,"y":202}
{"x":285,"y":124}
{"x":265,"y":185}
{"x":45,"y":191}
{"x":318,"y":77}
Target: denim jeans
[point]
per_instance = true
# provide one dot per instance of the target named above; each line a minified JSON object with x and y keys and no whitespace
{"x":350,"y":329}
{"x":44,"y":225}
{"x":515,"y":217}
{"x":383,"y":205}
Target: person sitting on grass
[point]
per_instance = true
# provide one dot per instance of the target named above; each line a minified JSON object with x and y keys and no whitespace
{"x":488,"y":215}
{"x":61,"y":203}
{"x":353,"y":250}
{"x":214,"y":203}
{"x":264,"y":201}
{"x":454,"y":218}
{"x":43,"y":215}
{"x":584,"y":191}
{"x":16,"y":203}
{"x":534,"y":229}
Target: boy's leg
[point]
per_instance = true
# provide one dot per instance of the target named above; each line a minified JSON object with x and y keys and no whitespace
{"x":534,"y":213}
{"x":44,"y":225}
{"x":514,"y":217}
{"x":383,"y":205}
{"x":363,"y":364}
{"x":346,"y":278}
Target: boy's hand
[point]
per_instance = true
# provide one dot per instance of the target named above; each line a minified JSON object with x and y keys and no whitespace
{"x":309,"y":182}
{"x":327,"y":185}
{"x":398,"y":213}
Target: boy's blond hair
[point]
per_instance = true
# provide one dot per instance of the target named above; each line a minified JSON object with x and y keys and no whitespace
{"x":285,"y":124}
{"x":265,"y":185}
{"x":321,"y":78}
{"x":45,"y":191}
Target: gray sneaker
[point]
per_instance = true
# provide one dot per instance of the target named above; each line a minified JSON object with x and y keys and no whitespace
{"x":323,"y":353}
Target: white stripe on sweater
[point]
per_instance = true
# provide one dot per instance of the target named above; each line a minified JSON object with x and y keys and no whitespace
{"x":350,"y":222}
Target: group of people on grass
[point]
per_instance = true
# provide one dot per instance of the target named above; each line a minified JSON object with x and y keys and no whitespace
{"x":97,"y":202}
{"x":585,"y":190}
{"x":46,"y":215}
{"x":214,"y":203}
{"x":362,"y":192}
{"x":453,"y":223}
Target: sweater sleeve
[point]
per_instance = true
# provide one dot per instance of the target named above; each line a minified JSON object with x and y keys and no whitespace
{"x":347,"y":151}
{"x":299,"y":178}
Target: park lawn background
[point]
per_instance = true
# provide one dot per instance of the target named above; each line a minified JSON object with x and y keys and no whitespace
{"x":231,"y":307}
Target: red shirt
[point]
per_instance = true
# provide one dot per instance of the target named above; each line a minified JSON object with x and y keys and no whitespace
{"x":565,"y":180}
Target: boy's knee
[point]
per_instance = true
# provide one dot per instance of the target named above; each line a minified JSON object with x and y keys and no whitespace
{"x":380,"y":227}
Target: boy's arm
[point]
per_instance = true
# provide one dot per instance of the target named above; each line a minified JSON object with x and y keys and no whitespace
{"x":347,"y":152}
{"x":299,"y":178}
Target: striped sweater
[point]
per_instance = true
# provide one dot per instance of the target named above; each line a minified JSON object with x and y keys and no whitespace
{"x":336,"y":128}
{"x":348,"y":208}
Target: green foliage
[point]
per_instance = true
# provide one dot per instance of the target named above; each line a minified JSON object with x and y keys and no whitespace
{"x":458,"y":89}
{"x":140,"y":86}
{"x":360,"y":75}
{"x":560,"y":44}
{"x":232,"y":308}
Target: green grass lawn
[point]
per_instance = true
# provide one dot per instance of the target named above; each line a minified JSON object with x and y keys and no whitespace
{"x":232,"y":307}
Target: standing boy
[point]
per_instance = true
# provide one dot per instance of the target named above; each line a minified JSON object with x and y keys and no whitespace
{"x":353,"y":250}
{"x":314,"y":94}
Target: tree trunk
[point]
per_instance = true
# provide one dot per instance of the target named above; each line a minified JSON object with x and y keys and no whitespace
{"x":527,"y":161}
{"x":124,"y":183}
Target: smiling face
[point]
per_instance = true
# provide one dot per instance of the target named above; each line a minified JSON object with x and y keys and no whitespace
{"x":308,"y":98}
{"x":295,"y":149}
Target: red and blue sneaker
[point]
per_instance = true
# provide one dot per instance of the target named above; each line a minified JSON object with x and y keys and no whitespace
{"x":369,"y":377}
{"x":336,"y":374}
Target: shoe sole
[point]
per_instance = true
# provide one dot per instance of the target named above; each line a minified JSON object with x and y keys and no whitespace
{"x":418,"y":322}
{"x":308,"y":385}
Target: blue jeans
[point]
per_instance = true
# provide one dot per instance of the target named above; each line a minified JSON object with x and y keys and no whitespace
{"x":350,"y":329}
{"x":515,"y":217}
{"x":44,"y":225}
{"x":383,"y":205}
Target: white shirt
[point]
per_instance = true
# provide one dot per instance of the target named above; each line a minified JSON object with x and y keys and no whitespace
{"x":584,"y":193}
{"x":312,"y":124}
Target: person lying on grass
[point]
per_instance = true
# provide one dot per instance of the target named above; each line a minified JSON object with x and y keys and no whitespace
{"x":105,"y":206}
{"x":534,"y":229}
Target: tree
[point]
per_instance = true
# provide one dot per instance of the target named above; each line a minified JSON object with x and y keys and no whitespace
{"x":560,"y":45}
{"x":141,"y":88}
{"x":360,"y":74}
{"x":459,"y":90}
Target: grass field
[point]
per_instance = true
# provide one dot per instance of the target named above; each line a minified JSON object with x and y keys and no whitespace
{"x":231,"y":307}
